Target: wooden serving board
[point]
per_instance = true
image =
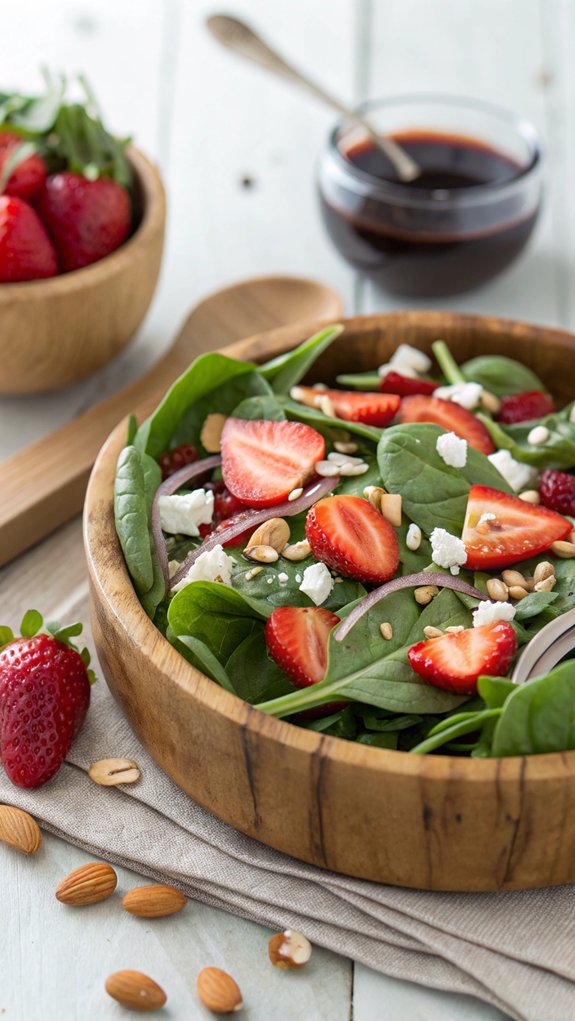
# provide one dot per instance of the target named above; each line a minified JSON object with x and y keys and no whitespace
{"x":43,"y":486}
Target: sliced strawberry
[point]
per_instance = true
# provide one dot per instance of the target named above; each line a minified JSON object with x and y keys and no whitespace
{"x":370,"y":408}
{"x":395,"y":383}
{"x":297,"y":639}
{"x":350,"y":536}
{"x":519,"y":529}
{"x":449,"y":416}
{"x":453,"y":662}
{"x":263,"y":461}
{"x":525,"y":407}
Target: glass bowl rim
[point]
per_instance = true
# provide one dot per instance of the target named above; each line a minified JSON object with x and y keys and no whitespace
{"x":492,"y":190}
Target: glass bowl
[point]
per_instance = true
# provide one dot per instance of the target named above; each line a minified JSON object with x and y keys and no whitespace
{"x":459,"y":225}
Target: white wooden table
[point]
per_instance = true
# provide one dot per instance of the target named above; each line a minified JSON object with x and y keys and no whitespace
{"x":214,"y":124}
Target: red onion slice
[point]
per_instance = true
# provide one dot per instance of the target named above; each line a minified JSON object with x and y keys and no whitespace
{"x":167,"y":488}
{"x":317,"y":489}
{"x":407,"y":581}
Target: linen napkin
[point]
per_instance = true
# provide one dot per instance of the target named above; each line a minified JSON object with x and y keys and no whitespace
{"x":515,"y":950}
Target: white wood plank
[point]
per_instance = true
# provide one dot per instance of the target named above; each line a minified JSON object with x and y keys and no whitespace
{"x":381,"y":998}
{"x":491,"y":51}
{"x":55,"y":959}
{"x":233,"y":122}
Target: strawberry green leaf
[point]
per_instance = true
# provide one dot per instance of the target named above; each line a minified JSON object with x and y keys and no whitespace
{"x":86,"y":657}
{"x":31,"y":623}
{"x":65,"y":633}
{"x":6,"y":635}
{"x":53,"y":626}
{"x":92,"y":677}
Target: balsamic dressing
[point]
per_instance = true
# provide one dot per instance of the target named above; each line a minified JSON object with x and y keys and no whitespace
{"x":448,"y":231}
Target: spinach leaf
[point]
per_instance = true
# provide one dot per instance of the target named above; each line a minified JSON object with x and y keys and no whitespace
{"x":558,"y":451}
{"x":205,"y":374}
{"x":501,"y":375}
{"x":265,"y":406}
{"x":326,"y":425}
{"x":286,"y":370}
{"x":224,"y":399}
{"x":202,"y":658}
{"x":254,"y":675}
{"x":494,"y":690}
{"x":433,"y":493}
{"x":539,"y":716}
{"x":368,"y":669}
{"x":266,"y":587}
{"x":132,"y":487}
{"x":534,"y":604}
{"x":216,"y":614}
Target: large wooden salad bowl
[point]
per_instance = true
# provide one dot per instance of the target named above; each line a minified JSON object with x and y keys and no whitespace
{"x":435,"y":822}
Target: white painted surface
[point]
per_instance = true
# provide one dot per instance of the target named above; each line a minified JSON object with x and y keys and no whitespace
{"x":212,"y":122}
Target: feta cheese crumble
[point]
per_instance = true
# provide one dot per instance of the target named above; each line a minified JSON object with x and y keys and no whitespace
{"x":182,"y":513}
{"x":489,"y":613}
{"x":213,"y":565}
{"x":467,"y":395}
{"x":406,"y":360}
{"x":283,"y":578}
{"x":447,"y":550}
{"x":517,"y":475}
{"x":452,"y":449}
{"x":317,"y":583}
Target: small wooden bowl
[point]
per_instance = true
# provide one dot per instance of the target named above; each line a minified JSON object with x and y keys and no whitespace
{"x":54,"y":332}
{"x":433,"y":822}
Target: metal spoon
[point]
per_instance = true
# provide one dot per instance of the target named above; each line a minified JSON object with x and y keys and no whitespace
{"x":240,"y":38}
{"x":546,"y":649}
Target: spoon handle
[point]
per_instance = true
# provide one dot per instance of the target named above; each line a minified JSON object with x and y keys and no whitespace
{"x":240,"y":38}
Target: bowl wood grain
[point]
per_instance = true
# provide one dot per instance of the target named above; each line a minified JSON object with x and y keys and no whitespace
{"x":434,"y":822}
{"x":54,"y":332}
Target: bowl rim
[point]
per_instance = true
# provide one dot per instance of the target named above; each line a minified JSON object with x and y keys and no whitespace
{"x":153,"y":215}
{"x":124,"y":605}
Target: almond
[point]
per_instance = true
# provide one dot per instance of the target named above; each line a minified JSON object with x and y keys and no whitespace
{"x":110,"y":772}
{"x":289,"y":949}
{"x":390,"y":508}
{"x":154,"y":901}
{"x":87,"y":885}
{"x":274,"y":532}
{"x":218,"y":991}
{"x":19,"y":830}
{"x":261,"y":554}
{"x":135,"y":990}
{"x":211,"y":434}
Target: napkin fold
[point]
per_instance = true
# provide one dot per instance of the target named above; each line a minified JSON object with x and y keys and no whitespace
{"x":514,"y":950}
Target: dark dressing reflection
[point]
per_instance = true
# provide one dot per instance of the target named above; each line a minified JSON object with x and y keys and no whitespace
{"x":443,"y":233}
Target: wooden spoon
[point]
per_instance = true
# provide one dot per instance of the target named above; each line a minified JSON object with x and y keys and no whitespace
{"x":239,"y":37}
{"x":43,"y":485}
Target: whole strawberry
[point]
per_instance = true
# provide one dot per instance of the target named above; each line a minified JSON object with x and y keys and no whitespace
{"x":26,"y":252}
{"x":44,"y":697}
{"x":86,"y":219}
{"x":27,"y":177}
{"x":557,"y":491}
